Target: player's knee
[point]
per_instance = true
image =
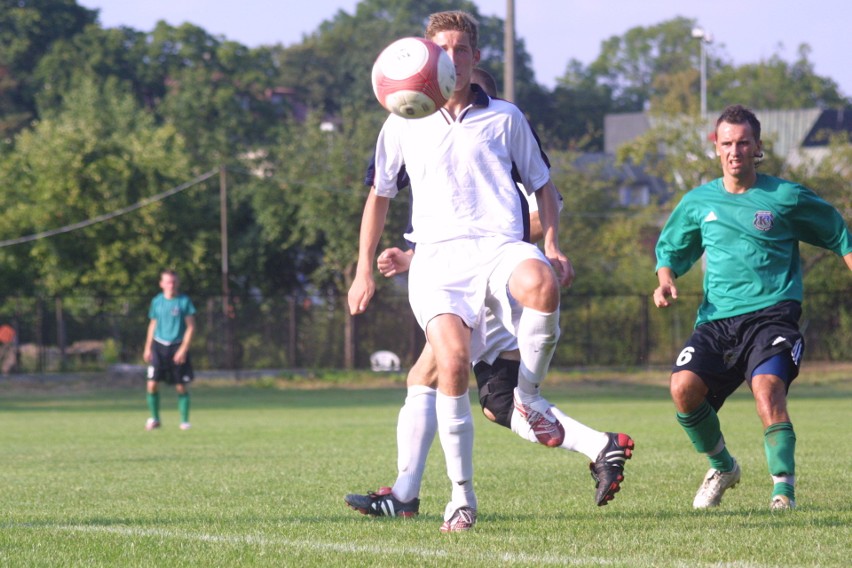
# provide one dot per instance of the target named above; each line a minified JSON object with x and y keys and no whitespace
{"x":152,"y":387}
{"x":687,"y":391}
{"x":488,"y":414}
{"x":534,"y":285}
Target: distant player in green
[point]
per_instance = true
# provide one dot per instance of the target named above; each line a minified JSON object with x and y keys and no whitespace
{"x":167,"y":347}
{"x":749,"y":226}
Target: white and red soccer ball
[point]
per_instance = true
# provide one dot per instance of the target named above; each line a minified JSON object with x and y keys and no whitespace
{"x":413,"y":77}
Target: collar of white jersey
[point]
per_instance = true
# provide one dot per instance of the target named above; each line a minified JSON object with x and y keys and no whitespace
{"x":480,"y":100}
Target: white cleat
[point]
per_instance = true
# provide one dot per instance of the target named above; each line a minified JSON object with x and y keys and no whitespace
{"x":782,"y":503}
{"x":714,"y":486}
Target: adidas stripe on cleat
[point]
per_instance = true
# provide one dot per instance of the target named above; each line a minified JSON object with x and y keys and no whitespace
{"x":382,"y":503}
{"x":608,"y":469}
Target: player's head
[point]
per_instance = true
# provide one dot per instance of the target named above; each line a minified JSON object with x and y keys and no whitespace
{"x":738,"y":114}
{"x":455,"y":21}
{"x":738,"y":142}
{"x":457,"y":34}
{"x":169,"y":282}
{"x":485,"y":80}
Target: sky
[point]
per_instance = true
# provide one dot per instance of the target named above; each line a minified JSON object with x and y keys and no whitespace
{"x":554,"y":31}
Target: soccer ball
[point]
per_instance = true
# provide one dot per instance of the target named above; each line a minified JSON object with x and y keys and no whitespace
{"x":413,"y":77}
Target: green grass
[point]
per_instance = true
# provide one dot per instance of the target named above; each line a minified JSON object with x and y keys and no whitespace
{"x":259,"y":480}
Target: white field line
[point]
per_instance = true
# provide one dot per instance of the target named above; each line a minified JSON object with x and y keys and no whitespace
{"x":385,"y":551}
{"x":318,"y":546}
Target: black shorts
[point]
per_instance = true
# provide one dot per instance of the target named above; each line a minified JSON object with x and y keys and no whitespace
{"x":497,"y":384}
{"x":724,"y":353}
{"x":164,"y":369}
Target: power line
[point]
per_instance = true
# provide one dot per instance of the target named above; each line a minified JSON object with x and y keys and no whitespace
{"x":111,"y":215}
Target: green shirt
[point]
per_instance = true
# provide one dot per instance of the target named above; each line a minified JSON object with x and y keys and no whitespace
{"x":170,"y":316}
{"x":751,"y":241}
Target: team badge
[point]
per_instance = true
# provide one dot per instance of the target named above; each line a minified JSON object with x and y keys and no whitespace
{"x":764,"y":220}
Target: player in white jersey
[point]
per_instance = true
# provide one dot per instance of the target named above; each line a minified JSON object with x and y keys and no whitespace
{"x":466,"y":220}
{"x":496,"y":370}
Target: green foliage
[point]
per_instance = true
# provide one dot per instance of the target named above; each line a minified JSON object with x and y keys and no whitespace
{"x":27,"y":31}
{"x":774,"y":84}
{"x":97,"y":153}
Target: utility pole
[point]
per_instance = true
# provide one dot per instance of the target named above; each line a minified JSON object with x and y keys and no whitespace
{"x":509,"y":52}
{"x":704,"y":37}
{"x":226,"y":293}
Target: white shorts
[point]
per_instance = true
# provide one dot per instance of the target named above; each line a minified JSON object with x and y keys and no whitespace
{"x":464,"y":276}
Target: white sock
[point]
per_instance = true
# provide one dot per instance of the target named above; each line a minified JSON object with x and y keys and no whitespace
{"x":415,"y":431}
{"x":791,"y":479}
{"x":455,"y":429}
{"x":578,"y":437}
{"x":537,"y":335}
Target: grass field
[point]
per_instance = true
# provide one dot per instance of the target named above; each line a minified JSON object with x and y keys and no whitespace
{"x":259,"y":480}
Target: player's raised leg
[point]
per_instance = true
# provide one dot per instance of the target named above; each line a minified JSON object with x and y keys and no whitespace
{"x":534,"y":286}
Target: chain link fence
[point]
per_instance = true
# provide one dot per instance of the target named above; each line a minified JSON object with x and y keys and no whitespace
{"x":93,"y":334}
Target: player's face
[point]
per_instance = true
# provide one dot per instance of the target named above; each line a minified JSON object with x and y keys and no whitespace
{"x":464,"y":56}
{"x":169,"y":285}
{"x":737,"y":150}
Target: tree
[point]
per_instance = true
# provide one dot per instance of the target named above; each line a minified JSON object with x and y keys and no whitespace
{"x":629,"y":64}
{"x":27,"y":31}
{"x":775,"y":84}
{"x":98,"y":153}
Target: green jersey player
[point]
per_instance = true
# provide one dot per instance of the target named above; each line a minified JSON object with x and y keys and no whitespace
{"x":170,"y":330}
{"x":748,"y":226}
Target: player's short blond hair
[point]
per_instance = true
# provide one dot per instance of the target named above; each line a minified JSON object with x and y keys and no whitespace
{"x":453,"y":20}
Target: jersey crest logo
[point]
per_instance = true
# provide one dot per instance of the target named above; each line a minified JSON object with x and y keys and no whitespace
{"x":764,"y":220}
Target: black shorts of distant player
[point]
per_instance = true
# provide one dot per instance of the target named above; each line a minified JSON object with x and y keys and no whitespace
{"x":164,"y":369}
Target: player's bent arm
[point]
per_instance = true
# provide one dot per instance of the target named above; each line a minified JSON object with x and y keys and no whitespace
{"x":149,"y":341}
{"x":394,"y":261}
{"x":372,"y":226}
{"x":848,"y":259}
{"x":548,"y":213}
{"x":666,"y":289}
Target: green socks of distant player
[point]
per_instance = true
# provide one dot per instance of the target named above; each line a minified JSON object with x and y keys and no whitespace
{"x":779,"y":441}
{"x":154,"y":405}
{"x":705,"y":433}
{"x":183,"y":406}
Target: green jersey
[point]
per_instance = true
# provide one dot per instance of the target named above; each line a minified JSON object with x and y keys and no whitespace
{"x":170,"y":316}
{"x":751,"y":241}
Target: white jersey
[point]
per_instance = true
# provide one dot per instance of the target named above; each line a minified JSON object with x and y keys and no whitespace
{"x":461,"y":171}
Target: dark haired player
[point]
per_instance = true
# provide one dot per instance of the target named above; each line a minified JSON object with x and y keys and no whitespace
{"x":749,"y":226}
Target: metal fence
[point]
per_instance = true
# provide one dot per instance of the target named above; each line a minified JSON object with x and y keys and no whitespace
{"x":84,"y":333}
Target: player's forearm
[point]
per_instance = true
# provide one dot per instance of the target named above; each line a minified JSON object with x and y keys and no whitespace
{"x":848,"y":259}
{"x":665,"y":276}
{"x":372,"y":226}
{"x":149,"y":336}
{"x":548,"y":213}
{"x":188,"y":334}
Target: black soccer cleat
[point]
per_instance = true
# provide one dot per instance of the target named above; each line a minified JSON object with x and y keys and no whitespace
{"x":382,"y":503}
{"x":608,"y":469}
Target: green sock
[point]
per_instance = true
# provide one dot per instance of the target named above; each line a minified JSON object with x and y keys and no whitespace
{"x":704,"y":431}
{"x":779,"y":441}
{"x":154,"y":405}
{"x":183,"y":406}
{"x":783,"y":488}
